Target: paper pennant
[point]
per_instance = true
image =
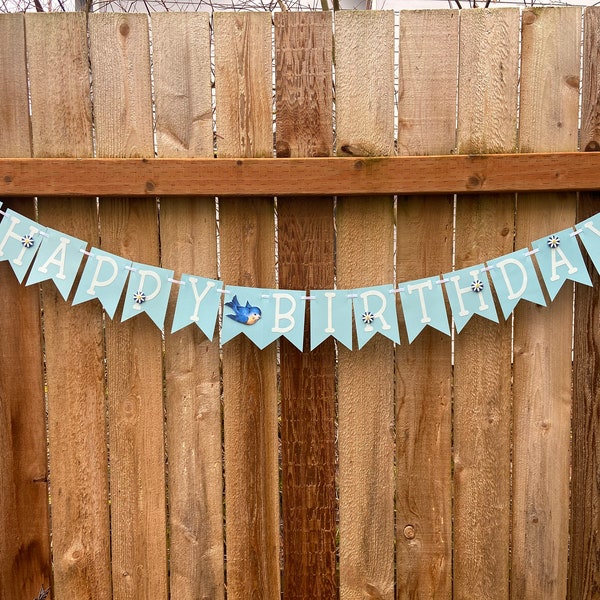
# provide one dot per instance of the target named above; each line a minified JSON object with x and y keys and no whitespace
{"x":375,"y":312}
{"x":423,"y":304}
{"x":103,"y":278}
{"x":19,"y":242}
{"x":469,"y":294}
{"x":198,"y":302}
{"x":263,"y":315}
{"x":58,"y":259}
{"x":514,"y":279}
{"x":147,"y":291}
{"x":560,"y":259}
{"x":590,"y":238}
{"x":330,"y":315}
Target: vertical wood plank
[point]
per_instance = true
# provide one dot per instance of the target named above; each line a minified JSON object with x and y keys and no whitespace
{"x":584,"y":550}
{"x":542,"y":336}
{"x":123,"y":119}
{"x":365,"y":230}
{"x":58,"y":70}
{"x":243,"y":62}
{"x":487,"y":123}
{"x":303,"y":71}
{"x":427,"y":82}
{"x":24,"y":534}
{"x":182,"y":91}
{"x":428,"y":50}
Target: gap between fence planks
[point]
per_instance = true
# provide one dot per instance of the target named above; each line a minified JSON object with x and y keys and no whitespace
{"x":550,"y":171}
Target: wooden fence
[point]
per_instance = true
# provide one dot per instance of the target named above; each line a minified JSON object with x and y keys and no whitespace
{"x":135,"y":465}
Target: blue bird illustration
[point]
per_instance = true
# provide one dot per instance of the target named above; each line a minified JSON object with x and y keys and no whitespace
{"x":247,"y":315}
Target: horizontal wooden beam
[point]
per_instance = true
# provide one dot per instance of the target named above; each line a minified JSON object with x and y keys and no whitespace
{"x":300,"y":176}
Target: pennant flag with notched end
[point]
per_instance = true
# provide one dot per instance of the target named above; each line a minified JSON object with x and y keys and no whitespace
{"x":198,"y":302}
{"x":147,"y":291}
{"x":263,"y":315}
{"x":469,"y":294}
{"x":330,"y":315}
{"x":375,"y":312}
{"x":58,"y":259}
{"x":103,"y":278}
{"x":423,"y":304}
{"x":514,"y":279}
{"x":20,"y":240}
{"x":559,"y":259}
{"x":589,"y":234}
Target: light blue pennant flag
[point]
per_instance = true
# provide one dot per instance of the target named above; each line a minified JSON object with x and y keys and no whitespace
{"x":423,"y":304}
{"x":19,"y":241}
{"x":198,"y":302}
{"x":103,"y":277}
{"x":57,"y":259}
{"x":330,"y":314}
{"x":147,"y":291}
{"x":375,"y":312}
{"x":514,"y":279}
{"x":590,"y":237}
{"x":469,"y":294}
{"x":263,"y":315}
{"x":559,"y":259}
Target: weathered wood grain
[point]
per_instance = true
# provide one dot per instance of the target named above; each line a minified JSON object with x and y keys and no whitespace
{"x":15,"y":138}
{"x":243,"y":82}
{"x":467,"y":174}
{"x":542,"y":336}
{"x":123,"y":118}
{"x":24,"y":529}
{"x":303,"y":92}
{"x":58,"y":69}
{"x":365,"y":236}
{"x":487,"y":122}
{"x":427,"y":82}
{"x":424,"y":368}
{"x":584,"y":546}
{"x":182,"y":93}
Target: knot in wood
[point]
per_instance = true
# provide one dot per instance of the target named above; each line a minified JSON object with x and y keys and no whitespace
{"x":409,"y":532}
{"x":593,"y":146}
{"x":474,"y":182}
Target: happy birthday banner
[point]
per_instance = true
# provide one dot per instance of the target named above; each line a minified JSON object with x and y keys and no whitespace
{"x":264,"y":315}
